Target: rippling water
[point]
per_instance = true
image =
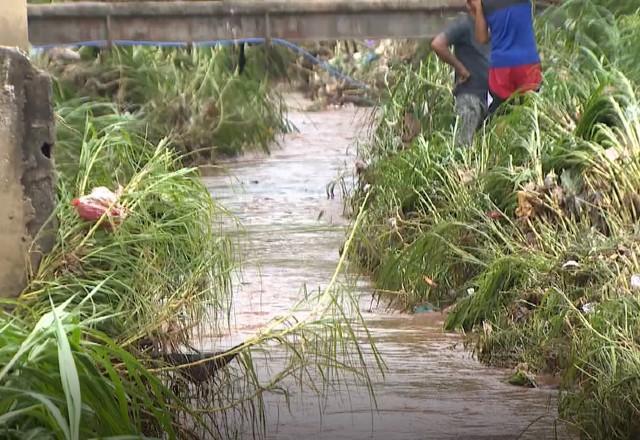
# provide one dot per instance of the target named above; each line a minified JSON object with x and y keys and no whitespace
{"x":291,"y":236}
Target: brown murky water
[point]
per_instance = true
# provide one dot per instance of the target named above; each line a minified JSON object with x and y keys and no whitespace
{"x":292,"y":233}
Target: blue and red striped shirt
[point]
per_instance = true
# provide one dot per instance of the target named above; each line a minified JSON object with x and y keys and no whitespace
{"x":513,"y":40}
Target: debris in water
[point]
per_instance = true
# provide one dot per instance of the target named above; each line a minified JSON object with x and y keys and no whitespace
{"x":331,"y":187}
{"x":198,"y":367}
{"x":523,"y":377}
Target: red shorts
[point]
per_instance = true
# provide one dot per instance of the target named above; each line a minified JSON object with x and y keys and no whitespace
{"x":505,"y":81}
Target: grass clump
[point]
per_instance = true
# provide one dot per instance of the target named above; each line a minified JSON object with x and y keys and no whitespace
{"x":62,"y":378}
{"x":531,"y":234}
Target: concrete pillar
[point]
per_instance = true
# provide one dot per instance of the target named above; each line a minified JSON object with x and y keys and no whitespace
{"x":13,"y":24}
{"x":27,"y":186}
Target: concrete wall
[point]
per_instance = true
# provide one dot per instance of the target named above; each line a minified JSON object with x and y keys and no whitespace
{"x":295,"y":20}
{"x":27,"y":187}
{"x":13,"y":23}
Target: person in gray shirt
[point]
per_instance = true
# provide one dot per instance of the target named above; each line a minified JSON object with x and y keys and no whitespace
{"x":470,"y":60}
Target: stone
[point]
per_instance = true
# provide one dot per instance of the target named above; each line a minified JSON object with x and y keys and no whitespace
{"x":27,"y":178}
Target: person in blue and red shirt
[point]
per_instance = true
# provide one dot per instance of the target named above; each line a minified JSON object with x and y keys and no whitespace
{"x":470,"y":61}
{"x":514,"y":62}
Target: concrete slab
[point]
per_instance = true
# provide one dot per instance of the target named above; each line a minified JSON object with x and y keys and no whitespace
{"x":199,"y":21}
{"x":27,"y":195}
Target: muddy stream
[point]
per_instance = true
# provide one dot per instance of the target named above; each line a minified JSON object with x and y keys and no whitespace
{"x":291,"y":237}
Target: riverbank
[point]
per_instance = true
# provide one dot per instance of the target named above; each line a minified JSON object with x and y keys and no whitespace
{"x":530,"y":232}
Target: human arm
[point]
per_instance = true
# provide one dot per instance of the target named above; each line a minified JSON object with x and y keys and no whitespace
{"x":440,"y":46}
{"x":481,"y":28}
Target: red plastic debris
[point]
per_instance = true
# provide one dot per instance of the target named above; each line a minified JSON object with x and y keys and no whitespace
{"x":99,"y":202}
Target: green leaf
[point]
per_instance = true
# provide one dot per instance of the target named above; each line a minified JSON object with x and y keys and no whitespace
{"x":69,"y":377}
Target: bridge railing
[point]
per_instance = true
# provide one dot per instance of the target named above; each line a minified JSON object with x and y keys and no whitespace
{"x":66,"y":23}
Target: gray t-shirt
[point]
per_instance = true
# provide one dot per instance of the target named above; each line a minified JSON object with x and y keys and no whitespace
{"x":475,"y":56}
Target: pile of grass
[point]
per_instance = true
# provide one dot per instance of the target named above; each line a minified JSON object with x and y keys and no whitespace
{"x":532,"y":232}
{"x":195,"y":97}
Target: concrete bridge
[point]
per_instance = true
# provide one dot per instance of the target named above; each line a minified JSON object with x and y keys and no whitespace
{"x":198,"y":21}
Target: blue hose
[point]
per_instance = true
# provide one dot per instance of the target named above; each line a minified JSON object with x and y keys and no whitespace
{"x":180,"y":44}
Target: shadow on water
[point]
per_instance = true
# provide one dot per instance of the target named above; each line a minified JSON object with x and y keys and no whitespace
{"x":291,"y":234}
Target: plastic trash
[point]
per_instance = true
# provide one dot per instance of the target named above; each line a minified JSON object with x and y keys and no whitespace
{"x":98,"y":202}
{"x":571,"y":264}
{"x":370,"y":57}
{"x":63,"y":54}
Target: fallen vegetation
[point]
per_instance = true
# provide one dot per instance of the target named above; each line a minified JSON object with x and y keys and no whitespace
{"x":531,"y":234}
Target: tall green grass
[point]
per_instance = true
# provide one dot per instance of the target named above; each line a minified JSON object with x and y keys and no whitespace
{"x":531,"y":233}
{"x":196,"y":97}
